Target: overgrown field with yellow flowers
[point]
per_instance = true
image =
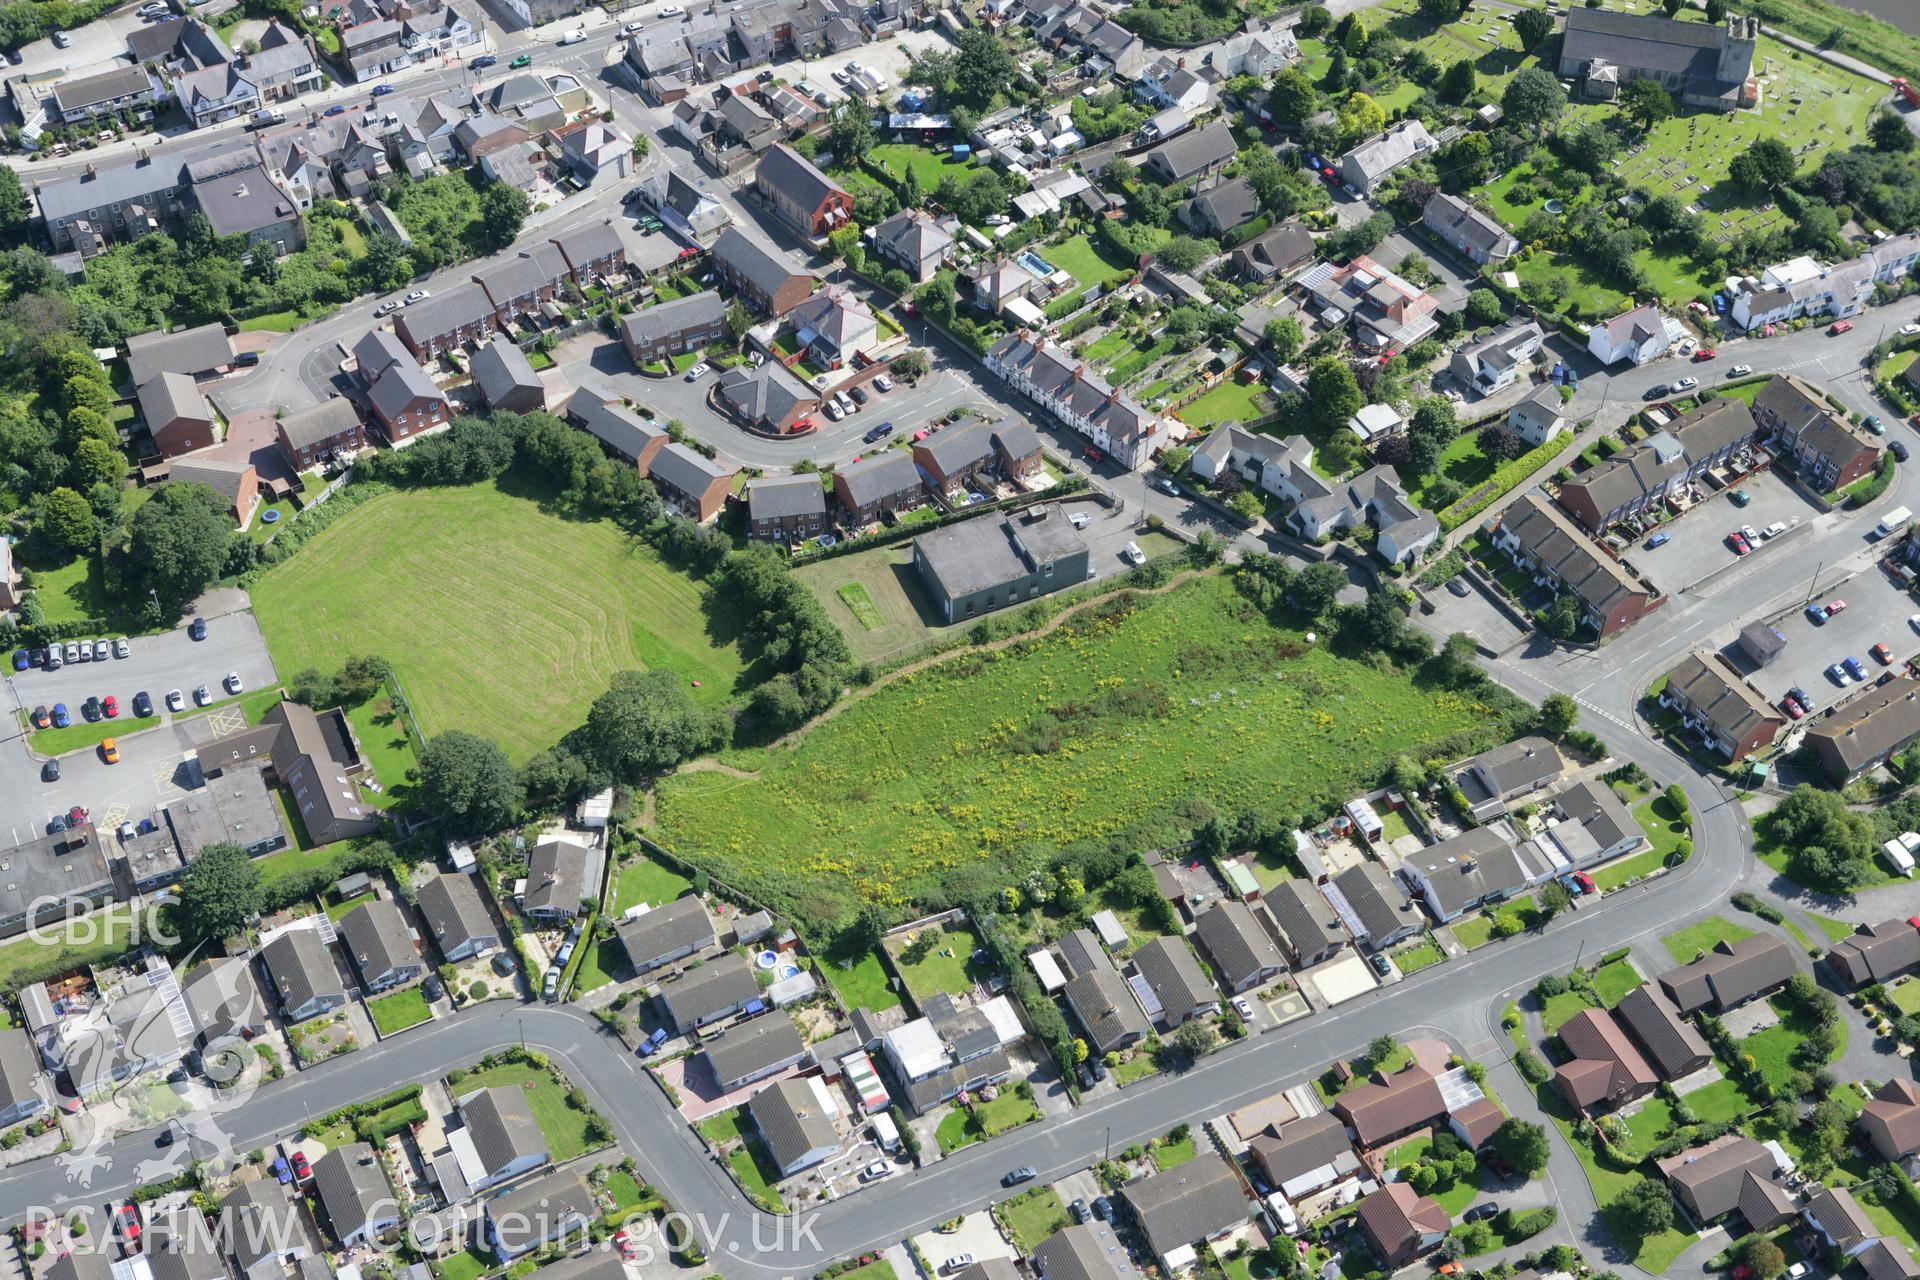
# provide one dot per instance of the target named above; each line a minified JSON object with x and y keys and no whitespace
{"x":1109,"y":725}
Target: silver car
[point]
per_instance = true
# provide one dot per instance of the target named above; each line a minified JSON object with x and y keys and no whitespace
{"x":121,"y":648}
{"x":73,"y":652}
{"x":102,"y":651}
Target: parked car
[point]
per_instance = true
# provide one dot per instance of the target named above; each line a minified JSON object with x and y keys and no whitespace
{"x":338,"y":108}
{"x":483,"y":61}
{"x":1380,"y":964}
{"x":417,"y":295}
{"x":1740,"y":497}
{"x":197,"y":629}
{"x":632,"y":28}
{"x":883,"y":384}
{"x":1025,"y":1173}
{"x":40,"y":718}
{"x":174,"y":701}
{"x":1855,"y":668}
{"x":833,"y":410}
{"x":860,"y":397}
{"x":90,"y":709}
{"x":302,"y":1170}
{"x":382,"y":90}
{"x":958,"y":1262}
{"x":1873,"y":424}
{"x":1839,"y":327}
{"x":1243,"y":1007}
{"x":142,"y":704}
{"x":21,"y":660}
{"x":1458,"y":586}
{"x":1103,"y":1209}
{"x":232,"y":682}
{"x":1774,"y":530}
{"x":1585,"y":882}
{"x":1817,"y":613}
{"x":110,"y":750}
{"x":50,"y":771}
{"x":1480,"y":1212}
{"x":388,"y":307}
{"x":878,"y":433}
{"x":1799,"y":695}
{"x":1748,"y":532}
{"x":1835,"y":605}
{"x":1882,"y":654}
{"x":1793,"y":709}
{"x":1132,"y":554}
{"x":574,"y":36}
{"x":102,"y":651}
{"x":201,"y":696}
{"x":73,"y":651}
{"x":1739,"y":543}
{"x":60,"y":717}
{"x":126,"y":1220}
{"x":56,"y":824}
{"x":1684,"y":384}
{"x":1898,"y":448}
{"x":1837,"y":674}
{"x":110,"y":706}
{"x":698,"y":372}
{"x":1659,"y":540}
{"x":1704,"y":354}
{"x":1740,"y":371}
{"x":1654,"y":392}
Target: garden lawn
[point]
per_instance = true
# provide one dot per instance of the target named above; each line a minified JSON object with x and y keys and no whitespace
{"x":1655,"y":1253}
{"x":1622,"y":870}
{"x":1082,"y":260}
{"x":564,"y":1127}
{"x":1171,"y":1154}
{"x":1032,"y":1216}
{"x":1905,"y":996}
{"x":1416,"y":956}
{"x":602,"y":602}
{"x":1720,"y":1101}
{"x":1773,"y":1048}
{"x":90,"y":939}
{"x":947,"y":968}
{"x":1664,"y":832}
{"x":386,"y":747}
{"x":1474,"y":931}
{"x":1684,"y":943}
{"x":1559,"y":1009}
{"x":1138,"y":1067}
{"x":468,"y":1264}
{"x":755,"y":1169}
{"x":1611,"y":982}
{"x":896,"y":158}
{"x":641,"y":879}
{"x":1462,"y":461}
{"x":1232,"y":401}
{"x":885,"y":579}
{"x":985,"y":759}
{"x":399,"y":1010}
{"x":862,"y":982}
{"x":73,"y":592}
{"x":1836,"y":930}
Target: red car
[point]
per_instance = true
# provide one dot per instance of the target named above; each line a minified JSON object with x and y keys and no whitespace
{"x":1091,"y":454}
{"x":1839,"y":327}
{"x":110,"y":706}
{"x":1738,"y":542}
{"x":1704,"y":354}
{"x":76,"y":816}
{"x":1835,"y":605}
{"x":1792,"y":707}
{"x":302,"y":1171}
{"x":126,"y":1219}
{"x":1881,"y":654}
{"x":1585,"y":882}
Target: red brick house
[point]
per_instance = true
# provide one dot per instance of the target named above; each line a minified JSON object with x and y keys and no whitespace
{"x":952,"y":457}
{"x":883,"y":482}
{"x":763,"y":279}
{"x":330,"y":429}
{"x":518,"y":285}
{"x":237,"y":483}
{"x":1016,"y":447}
{"x":406,"y":403}
{"x":593,"y":252}
{"x":446,"y":322}
{"x":177,"y":415}
{"x":807,"y":199}
{"x":691,"y":482}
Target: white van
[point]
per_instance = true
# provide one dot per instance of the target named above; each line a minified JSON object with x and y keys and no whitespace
{"x":267,"y":116}
{"x":1893,"y":522}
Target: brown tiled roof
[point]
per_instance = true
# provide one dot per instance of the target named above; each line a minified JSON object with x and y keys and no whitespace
{"x":1396,"y":1215}
{"x":1671,"y":1043}
{"x":1712,"y":1174}
{"x":1731,"y":973}
{"x":1380,"y":1109}
{"x":1478,"y":1120}
{"x":1763,"y":1202}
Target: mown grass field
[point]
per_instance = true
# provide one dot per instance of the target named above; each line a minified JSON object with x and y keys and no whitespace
{"x":423,"y":579}
{"x":1113,"y":719}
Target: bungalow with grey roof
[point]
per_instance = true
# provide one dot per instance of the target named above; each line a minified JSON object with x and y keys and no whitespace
{"x":708,"y":993}
{"x":1194,"y":1203}
{"x":1473,"y":234}
{"x":1192,"y":154}
{"x":665,"y":933}
{"x":457,"y":917}
{"x":1309,"y":929}
{"x":1221,"y":209}
{"x":377,"y":937}
{"x":1478,"y":867}
{"x":753,"y":1051}
{"x":559,"y":1207}
{"x":355,"y":1199}
{"x":503,"y":1134}
{"x":795,"y":1125}
{"x":1274,"y":253}
{"x":560,"y":874}
{"x":1729,"y":975}
{"x":1105,"y":1009}
{"x":1178,"y":986}
{"x":1373,"y":905}
{"x":1242,"y":949}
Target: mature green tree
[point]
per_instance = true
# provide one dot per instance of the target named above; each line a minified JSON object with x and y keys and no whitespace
{"x":65,"y":519}
{"x":1333,"y":394}
{"x":1466,"y":162}
{"x":1644,"y":1209}
{"x":1760,"y":1255}
{"x":1314,"y":589}
{"x":1672,"y":7}
{"x":850,"y":131}
{"x":1889,"y":132}
{"x":1360,"y":116}
{"x":1441,"y":12}
{"x":468,"y":783}
{"x":1284,"y":337}
{"x":1590,"y":147}
{"x":1716,"y":11}
{"x":739,"y":320}
{"x":13,"y":208}
{"x":1645,"y":102}
{"x":1764,"y":166}
{"x":1532,"y":26}
{"x":1554,"y":898}
{"x":1315,"y":19}
{"x":1184,"y":253}
{"x":1523,"y":1146}
{"x":647,"y":721}
{"x":1457,"y":82}
{"x":503,"y":211}
{"x":1483,"y":308}
{"x":1563,"y":616}
{"x":178,"y":543}
{"x":1533,"y":98}
{"x":387,"y":265}
{"x":94,"y":463}
{"x":87,"y":391}
{"x":219,"y":892}
{"x":1432,"y":428}
{"x":1379,"y":1049}
{"x":982,"y":68}
{"x":1194,"y":1037}
{"x":1557,"y":715}
{"x":1293,"y":97}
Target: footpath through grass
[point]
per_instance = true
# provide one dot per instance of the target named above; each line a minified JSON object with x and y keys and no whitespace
{"x":1110,"y":721}
{"x":419,"y":576}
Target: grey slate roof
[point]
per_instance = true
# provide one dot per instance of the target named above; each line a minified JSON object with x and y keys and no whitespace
{"x":402,"y":384}
{"x":238,"y":203}
{"x":1105,"y":1006}
{"x":352,"y":1187}
{"x":223,"y":477}
{"x":560,"y":873}
{"x":768,"y":393}
{"x":543,"y":1209}
{"x":1729,"y":974}
{"x":1301,"y":1146}
{"x":309,"y":426}
{"x":1465,"y":222}
{"x":777,"y":497}
{"x":255,"y":1224}
{"x":686,"y":470}
{"x":179,"y":1245}
{"x":878,"y":475}
{"x":725,"y":983}
{"x":378,"y":349}
{"x":1471,"y":866}
{"x":1377,"y":899}
{"x":1087,"y":1251}
{"x":1238,"y":944}
{"x":612,"y":423}
{"x":501,"y":368}
{"x":1188,"y":153}
{"x":1593,"y":805}
{"x":1170,"y":969}
{"x":450,"y":904}
{"x":1305,"y":917}
{"x":753,"y":1047}
{"x":444,"y":313}
{"x":671,"y":927}
{"x":377,"y":937}
{"x":108,"y":185}
{"x":956,"y":448}
{"x":790,"y":1120}
{"x":1225,"y":206}
{"x":195,"y":350}
{"x":500,"y":1121}
{"x":747,"y":259}
{"x":1194,"y":1201}
{"x":795,"y":176}
{"x":19,"y":1068}
{"x":1549,"y":539}
{"x":1017,"y":439}
{"x":912,"y":234}
{"x":698,"y":310}
{"x":1646,"y":42}
{"x":1524,"y":763}
{"x":588,"y":243}
{"x":1869,"y":726}
{"x":169,"y":396}
{"x":301,"y":968}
